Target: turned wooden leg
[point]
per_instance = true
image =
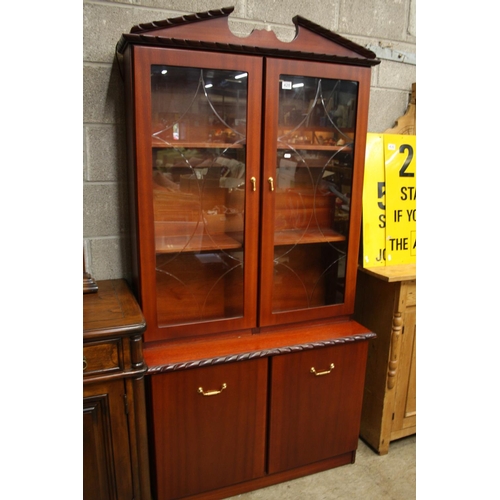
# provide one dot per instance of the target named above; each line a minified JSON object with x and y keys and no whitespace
{"x":397,"y":326}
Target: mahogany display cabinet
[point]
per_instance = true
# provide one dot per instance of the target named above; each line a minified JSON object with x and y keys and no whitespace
{"x":246,"y":167}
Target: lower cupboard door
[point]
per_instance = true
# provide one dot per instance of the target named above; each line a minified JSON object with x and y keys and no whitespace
{"x":316,"y":399}
{"x":209,"y":427}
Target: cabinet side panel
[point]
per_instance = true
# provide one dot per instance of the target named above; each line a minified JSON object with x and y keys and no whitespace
{"x":363,"y":76}
{"x":375,"y":302}
{"x":131,"y":161}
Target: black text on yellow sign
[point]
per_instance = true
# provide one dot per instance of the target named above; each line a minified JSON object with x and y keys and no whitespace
{"x":389,"y":200}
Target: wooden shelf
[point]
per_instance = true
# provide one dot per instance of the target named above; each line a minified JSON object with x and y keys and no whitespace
{"x":198,"y":243}
{"x":232,"y":145}
{"x":301,"y":237}
{"x":286,"y":129}
{"x":314,"y":147}
{"x":310,"y":139}
{"x":222,"y":241}
{"x":197,"y":145}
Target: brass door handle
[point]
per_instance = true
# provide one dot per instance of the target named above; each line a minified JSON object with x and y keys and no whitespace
{"x":253,"y":180}
{"x":271,"y":183}
{"x":324,"y":372}
{"x":211,"y":393}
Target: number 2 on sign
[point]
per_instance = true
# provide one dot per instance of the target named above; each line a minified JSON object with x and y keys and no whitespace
{"x":406,"y":164}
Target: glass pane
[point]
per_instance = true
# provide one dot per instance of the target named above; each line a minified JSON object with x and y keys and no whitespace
{"x":198,"y":169}
{"x":313,"y":184}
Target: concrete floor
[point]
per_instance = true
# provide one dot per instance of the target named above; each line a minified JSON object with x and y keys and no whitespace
{"x":371,"y":477}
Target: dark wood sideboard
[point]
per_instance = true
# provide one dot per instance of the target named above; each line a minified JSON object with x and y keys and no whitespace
{"x":115,"y":453}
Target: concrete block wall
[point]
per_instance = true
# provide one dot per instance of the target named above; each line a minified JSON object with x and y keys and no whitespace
{"x":388,"y":25}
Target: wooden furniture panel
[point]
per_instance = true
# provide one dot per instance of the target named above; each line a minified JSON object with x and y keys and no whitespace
{"x":386,"y":303}
{"x":97,"y":463}
{"x":405,"y":406}
{"x":209,"y":427}
{"x":115,"y":448}
{"x":106,"y":461}
{"x":101,"y":357}
{"x":316,"y":401}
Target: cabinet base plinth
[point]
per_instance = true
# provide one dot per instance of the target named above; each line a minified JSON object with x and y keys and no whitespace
{"x":281,"y":477}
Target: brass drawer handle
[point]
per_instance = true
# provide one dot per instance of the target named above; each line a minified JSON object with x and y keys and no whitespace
{"x":84,"y":363}
{"x":211,"y":393}
{"x":325,"y":372}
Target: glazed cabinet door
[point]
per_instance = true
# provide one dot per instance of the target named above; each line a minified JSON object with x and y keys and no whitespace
{"x":197,"y":147}
{"x":315,"y":405}
{"x":314,"y":140}
{"x":209,"y":427}
{"x":106,"y":453}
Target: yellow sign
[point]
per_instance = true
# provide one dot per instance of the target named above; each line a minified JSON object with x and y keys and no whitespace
{"x":401,"y":198}
{"x":374,"y":203}
{"x":390,"y":200}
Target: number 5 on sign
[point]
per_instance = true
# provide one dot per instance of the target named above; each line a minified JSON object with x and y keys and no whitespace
{"x":401,"y":198}
{"x":374,"y":203}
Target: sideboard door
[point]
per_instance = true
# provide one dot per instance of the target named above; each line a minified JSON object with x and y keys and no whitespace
{"x":106,"y":454}
{"x":209,"y":427}
{"x":315,"y":407}
{"x":405,"y":404}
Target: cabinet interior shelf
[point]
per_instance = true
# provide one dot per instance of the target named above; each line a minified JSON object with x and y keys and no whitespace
{"x":301,"y":237}
{"x":231,"y":145}
{"x":199,"y":243}
{"x":312,"y":147}
{"x":231,"y":241}
{"x":197,"y":145}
